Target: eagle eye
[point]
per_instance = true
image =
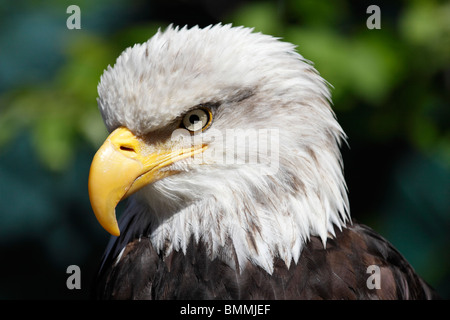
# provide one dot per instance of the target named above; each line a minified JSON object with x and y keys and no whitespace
{"x":197,"y":119}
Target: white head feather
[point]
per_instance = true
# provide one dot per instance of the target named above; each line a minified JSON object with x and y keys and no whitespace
{"x":242,"y":212}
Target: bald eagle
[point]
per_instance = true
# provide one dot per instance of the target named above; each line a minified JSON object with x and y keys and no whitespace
{"x":225,"y":144}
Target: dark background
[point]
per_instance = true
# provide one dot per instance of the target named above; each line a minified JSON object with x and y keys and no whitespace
{"x":391,"y":95}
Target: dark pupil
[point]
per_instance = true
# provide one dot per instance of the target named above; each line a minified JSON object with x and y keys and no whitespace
{"x":194,"y":118}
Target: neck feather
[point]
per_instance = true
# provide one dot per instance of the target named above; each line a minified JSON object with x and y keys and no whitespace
{"x":240,"y":216}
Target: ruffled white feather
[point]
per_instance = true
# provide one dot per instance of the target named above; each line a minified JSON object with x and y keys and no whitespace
{"x":243,"y":212}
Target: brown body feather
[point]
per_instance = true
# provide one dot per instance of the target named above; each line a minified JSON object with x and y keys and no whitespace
{"x":338,"y":271}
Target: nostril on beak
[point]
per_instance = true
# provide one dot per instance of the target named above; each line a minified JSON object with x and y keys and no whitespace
{"x":125,"y":148}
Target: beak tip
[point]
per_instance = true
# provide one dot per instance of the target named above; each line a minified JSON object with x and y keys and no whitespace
{"x":115,"y":231}
{"x":109,"y":223}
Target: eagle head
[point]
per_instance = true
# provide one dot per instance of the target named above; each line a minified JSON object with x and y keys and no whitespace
{"x":223,"y":136}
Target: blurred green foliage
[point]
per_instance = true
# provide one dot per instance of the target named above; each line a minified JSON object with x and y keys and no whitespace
{"x":364,"y":66}
{"x":60,"y":112}
{"x":390,"y":92}
{"x":57,"y":111}
{"x":390,"y":72}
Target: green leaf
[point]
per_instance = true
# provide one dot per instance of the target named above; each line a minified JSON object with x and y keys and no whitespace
{"x":264,"y":17}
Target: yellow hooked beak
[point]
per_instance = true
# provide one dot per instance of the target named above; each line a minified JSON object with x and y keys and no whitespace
{"x":121,"y":167}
